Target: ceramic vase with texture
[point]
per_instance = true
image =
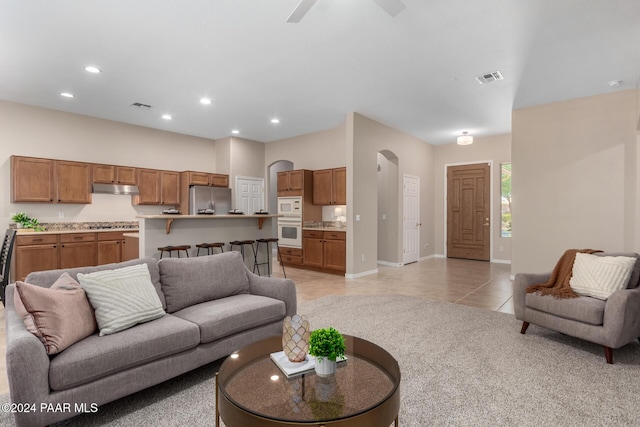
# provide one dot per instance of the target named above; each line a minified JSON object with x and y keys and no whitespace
{"x":295,"y":337}
{"x":325,"y":367}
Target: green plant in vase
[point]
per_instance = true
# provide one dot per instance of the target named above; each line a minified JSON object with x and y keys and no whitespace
{"x":26,"y":222}
{"x":326,"y":345}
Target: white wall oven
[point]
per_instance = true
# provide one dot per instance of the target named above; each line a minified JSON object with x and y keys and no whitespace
{"x":290,"y":223}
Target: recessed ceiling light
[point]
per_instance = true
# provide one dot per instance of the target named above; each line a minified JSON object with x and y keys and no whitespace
{"x":167,"y":116}
{"x":92,"y":69}
{"x":275,"y":121}
{"x":615,"y":83}
{"x":235,"y":131}
{"x":205,"y":101}
{"x":67,"y":94}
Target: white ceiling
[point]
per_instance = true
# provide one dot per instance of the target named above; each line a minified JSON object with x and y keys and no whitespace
{"x":415,"y":72}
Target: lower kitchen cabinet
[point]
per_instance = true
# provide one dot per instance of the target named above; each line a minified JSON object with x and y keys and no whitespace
{"x":78,"y":250}
{"x":39,"y":252}
{"x":35,"y":253}
{"x":110,"y":247}
{"x":324,"y":250}
{"x":131,"y":248}
{"x":290,"y":256}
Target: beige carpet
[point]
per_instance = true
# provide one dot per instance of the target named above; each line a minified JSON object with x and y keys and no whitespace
{"x":461,"y":366}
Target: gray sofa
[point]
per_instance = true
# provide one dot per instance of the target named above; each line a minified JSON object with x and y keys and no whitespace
{"x":209,"y":316}
{"x":612,"y":323}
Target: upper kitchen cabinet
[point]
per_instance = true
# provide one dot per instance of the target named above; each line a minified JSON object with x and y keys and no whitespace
{"x":109,"y":174}
{"x":169,"y":188}
{"x":330,"y":187}
{"x":50,"y":181}
{"x":291,"y":183}
{"x":205,"y":178}
{"x":157,"y":187}
{"x":73,"y":181}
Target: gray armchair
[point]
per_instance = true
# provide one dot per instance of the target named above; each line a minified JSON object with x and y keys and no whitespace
{"x":612,"y":323}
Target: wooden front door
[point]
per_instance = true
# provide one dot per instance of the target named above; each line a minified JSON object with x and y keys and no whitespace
{"x":468,"y":211}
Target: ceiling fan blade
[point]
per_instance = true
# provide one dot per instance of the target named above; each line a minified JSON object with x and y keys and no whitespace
{"x":301,"y":9}
{"x":392,"y":7}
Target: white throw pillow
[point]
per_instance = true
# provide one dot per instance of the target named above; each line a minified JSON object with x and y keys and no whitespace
{"x":122,"y":298}
{"x":600,"y":276}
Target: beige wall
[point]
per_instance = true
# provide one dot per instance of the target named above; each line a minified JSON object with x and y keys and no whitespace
{"x":497,"y":150}
{"x":365,"y":138}
{"x":575,"y":178}
{"x":318,"y":150}
{"x":39,"y":132}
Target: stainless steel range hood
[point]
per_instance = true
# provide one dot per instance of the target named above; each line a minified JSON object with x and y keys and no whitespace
{"x":115,"y":189}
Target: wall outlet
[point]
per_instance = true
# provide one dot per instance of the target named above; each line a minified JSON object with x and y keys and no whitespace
{"x":501,"y":249}
{"x":384,"y":216}
{"x":363,"y":257}
{"x":357,"y":217}
{"x":61,"y":214}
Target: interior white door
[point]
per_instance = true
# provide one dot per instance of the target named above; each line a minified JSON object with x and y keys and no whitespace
{"x":411,"y":218}
{"x":249,"y":194}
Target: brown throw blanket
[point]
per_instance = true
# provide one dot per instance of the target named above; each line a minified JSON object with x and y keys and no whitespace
{"x":558,"y":284}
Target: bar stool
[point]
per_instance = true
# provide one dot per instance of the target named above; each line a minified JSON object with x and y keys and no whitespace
{"x":266,"y":242}
{"x":209,"y":247}
{"x":172,"y":249}
{"x":242,"y":244}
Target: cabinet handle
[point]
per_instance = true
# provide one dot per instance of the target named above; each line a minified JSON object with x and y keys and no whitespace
{"x":77,"y":238}
{"x":37,"y":240}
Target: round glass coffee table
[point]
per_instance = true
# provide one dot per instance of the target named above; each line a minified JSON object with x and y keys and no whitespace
{"x":251,"y":390}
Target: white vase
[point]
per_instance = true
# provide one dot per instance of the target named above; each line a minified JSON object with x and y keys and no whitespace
{"x":325,"y":367}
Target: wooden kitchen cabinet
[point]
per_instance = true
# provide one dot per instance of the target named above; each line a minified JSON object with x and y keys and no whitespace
{"x":131,"y":248}
{"x":78,"y":250}
{"x":110,"y":247}
{"x":31,"y":180}
{"x":169,"y":188}
{"x":110,"y":174}
{"x":205,"y":178}
{"x":35,"y":253}
{"x":149,"y":187}
{"x":330,"y":186}
{"x":72,"y":182}
{"x":291,"y":183}
{"x":50,"y":181}
{"x":324,"y":250}
{"x":291,"y":256}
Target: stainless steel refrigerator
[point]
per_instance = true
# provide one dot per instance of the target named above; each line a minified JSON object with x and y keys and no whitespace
{"x":203,"y":198}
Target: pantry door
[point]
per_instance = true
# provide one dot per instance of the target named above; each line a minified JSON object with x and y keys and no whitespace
{"x":249,"y":194}
{"x":468,"y":211}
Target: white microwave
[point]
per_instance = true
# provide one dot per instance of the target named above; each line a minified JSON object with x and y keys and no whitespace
{"x":290,"y":206}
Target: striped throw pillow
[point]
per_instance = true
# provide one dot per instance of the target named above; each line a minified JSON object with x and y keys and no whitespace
{"x":600,"y":276}
{"x":121,"y":298}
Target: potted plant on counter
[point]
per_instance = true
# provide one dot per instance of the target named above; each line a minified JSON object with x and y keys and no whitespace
{"x":26,"y":223}
{"x":326,"y":345}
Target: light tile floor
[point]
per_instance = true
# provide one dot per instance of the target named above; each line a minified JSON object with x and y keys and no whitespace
{"x":475,"y":283}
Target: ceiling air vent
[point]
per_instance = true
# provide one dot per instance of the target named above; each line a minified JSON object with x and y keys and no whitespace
{"x":141,"y":106}
{"x":489,"y":77}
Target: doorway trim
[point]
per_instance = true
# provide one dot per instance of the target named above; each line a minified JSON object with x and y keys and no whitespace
{"x":446,"y":167}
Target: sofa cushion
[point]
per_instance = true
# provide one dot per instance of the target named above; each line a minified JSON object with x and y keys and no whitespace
{"x":96,"y":357}
{"x":583,"y":309}
{"x":189,"y":281}
{"x":227,"y":316}
{"x":600,"y":276}
{"x":59,"y":316}
{"x":122,"y":297}
{"x":46,"y":278}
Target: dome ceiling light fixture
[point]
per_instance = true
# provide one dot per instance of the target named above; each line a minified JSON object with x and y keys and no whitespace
{"x":465,"y":139}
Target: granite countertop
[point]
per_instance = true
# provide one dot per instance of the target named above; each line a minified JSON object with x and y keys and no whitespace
{"x":87,"y":230}
{"x":135,"y":235}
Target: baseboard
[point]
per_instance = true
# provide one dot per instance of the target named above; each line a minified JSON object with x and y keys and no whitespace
{"x":439,"y":256}
{"x":364,"y":273}
{"x":424,"y":258}
{"x":389,"y":264}
{"x":501,"y":261}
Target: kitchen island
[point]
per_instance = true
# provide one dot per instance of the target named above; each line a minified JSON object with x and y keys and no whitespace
{"x":174,"y":230}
